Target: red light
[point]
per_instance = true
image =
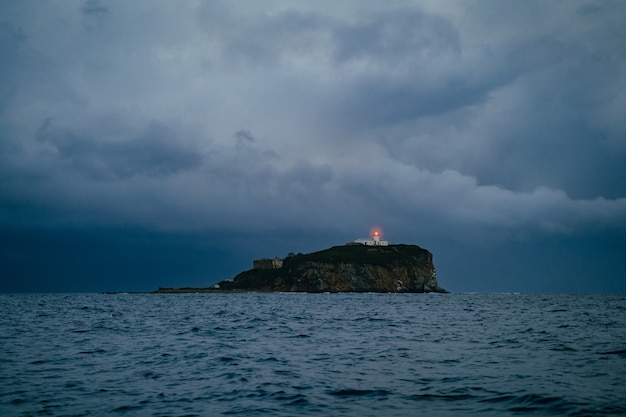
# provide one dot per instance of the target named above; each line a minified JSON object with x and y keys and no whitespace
{"x":376,"y":233}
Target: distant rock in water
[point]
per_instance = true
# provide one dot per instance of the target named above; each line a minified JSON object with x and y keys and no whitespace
{"x":349,"y":268}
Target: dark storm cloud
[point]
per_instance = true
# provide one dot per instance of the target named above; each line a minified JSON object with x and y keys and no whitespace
{"x":307,"y":123}
{"x":395,"y":37}
{"x":243,"y":136}
{"x":94,"y":7}
{"x":388,"y":58}
{"x":12,"y":39}
{"x":392,"y":55}
{"x":532,"y":120}
{"x":266,"y":41}
{"x":155,"y":152}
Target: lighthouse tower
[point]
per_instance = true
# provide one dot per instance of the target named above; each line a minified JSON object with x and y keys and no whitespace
{"x":374,"y":241}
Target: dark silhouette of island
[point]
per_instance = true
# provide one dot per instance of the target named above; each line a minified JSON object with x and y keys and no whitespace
{"x":354,"y":267}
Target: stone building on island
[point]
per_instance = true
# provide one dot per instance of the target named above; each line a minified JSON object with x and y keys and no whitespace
{"x":267,"y":263}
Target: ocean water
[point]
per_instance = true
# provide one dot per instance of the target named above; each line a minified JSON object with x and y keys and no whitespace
{"x":312,"y":355}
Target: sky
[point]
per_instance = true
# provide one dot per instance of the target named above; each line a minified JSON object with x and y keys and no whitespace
{"x":161,"y":143}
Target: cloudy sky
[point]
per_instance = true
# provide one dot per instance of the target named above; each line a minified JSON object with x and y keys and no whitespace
{"x":168,"y":143}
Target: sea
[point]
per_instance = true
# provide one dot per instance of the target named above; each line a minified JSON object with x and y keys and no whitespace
{"x":296,"y":354}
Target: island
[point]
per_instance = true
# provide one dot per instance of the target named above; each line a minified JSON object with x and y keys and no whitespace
{"x":365,"y":265}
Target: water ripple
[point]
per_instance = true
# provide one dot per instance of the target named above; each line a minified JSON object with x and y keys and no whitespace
{"x":312,"y":354}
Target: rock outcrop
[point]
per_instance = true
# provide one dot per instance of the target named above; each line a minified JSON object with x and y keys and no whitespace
{"x":349,"y":268}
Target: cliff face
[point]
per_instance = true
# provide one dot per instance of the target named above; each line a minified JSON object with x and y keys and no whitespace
{"x":350,"y":268}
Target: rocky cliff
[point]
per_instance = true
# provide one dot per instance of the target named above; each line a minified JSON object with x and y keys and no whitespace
{"x":349,"y":268}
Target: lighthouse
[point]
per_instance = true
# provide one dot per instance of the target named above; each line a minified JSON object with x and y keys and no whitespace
{"x":374,"y":241}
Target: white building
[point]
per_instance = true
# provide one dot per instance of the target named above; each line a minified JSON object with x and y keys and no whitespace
{"x":374,"y":241}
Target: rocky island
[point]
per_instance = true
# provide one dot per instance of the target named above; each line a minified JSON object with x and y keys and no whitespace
{"x":360,"y":266}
